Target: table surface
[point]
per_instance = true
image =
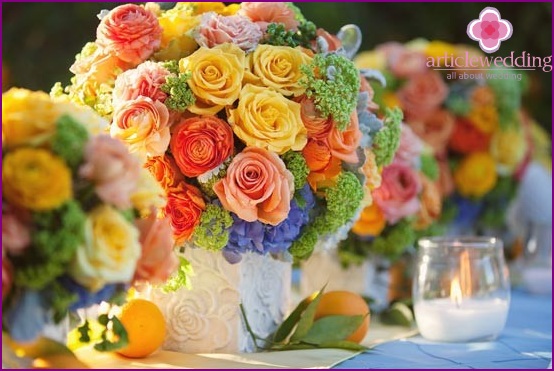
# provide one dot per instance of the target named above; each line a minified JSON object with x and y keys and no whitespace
{"x":526,"y":342}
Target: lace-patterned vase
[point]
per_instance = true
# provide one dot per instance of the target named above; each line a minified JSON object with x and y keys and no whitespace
{"x":207,"y":318}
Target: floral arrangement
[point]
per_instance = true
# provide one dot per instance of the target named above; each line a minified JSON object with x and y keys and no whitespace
{"x":79,"y":217}
{"x":250,"y":117}
{"x":474,"y":126}
{"x":406,"y":203}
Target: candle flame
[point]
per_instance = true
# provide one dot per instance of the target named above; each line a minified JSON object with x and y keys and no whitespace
{"x":456,"y":291}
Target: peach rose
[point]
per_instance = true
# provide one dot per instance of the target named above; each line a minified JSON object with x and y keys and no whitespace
{"x":98,"y":66}
{"x":143,"y":125}
{"x":405,"y":63}
{"x":343,"y":144}
{"x":318,"y":127}
{"x":165,"y":170}
{"x":435,"y":130}
{"x":265,"y":13}
{"x":398,"y":194}
{"x":422,"y":94}
{"x":216,"y":77}
{"x":258,"y":186}
{"x":130,"y":32}
{"x":215,"y":29}
{"x":16,"y":236}
{"x":184,"y":208}
{"x":157,"y":261}
{"x":112,"y":169}
{"x":431,"y":204}
{"x":201,"y":144}
{"x":410,"y":148}
{"x":145,"y":80}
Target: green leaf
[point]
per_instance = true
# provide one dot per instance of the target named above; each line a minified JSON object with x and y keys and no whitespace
{"x":307,"y":318}
{"x":117,"y":329}
{"x":84,"y":331}
{"x":332,"y":328}
{"x":343,"y":344}
{"x":398,"y":314}
{"x":288,"y":324}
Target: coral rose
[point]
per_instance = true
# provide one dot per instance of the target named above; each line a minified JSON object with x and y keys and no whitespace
{"x":266,"y":119}
{"x":143,"y":125}
{"x":318,"y":127}
{"x":397,"y":196}
{"x":216,"y":77}
{"x":165,"y":171}
{"x":405,"y":63}
{"x":157,"y":261}
{"x":130,"y":32}
{"x":466,"y":138}
{"x":184,"y":208}
{"x":265,"y":13}
{"x":258,"y":186}
{"x":476,"y":175}
{"x":215,"y":29}
{"x":371,"y":222}
{"x":317,"y":154}
{"x":343,"y":144}
{"x":200,"y":144}
{"x":422,"y":94}
{"x":145,"y":80}
{"x":435,"y":130}
{"x":112,"y":169}
{"x":410,"y":148}
{"x":431,"y":204}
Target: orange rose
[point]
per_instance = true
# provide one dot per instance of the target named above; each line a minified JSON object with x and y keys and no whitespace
{"x":184,"y":208}
{"x":483,"y":96}
{"x":466,"y":138}
{"x":422,"y":95}
{"x":343,"y":144}
{"x":431,"y":204}
{"x":165,"y":171}
{"x":317,"y":155}
{"x":435,"y":130}
{"x":371,"y":223}
{"x":201,"y":144}
{"x":258,"y":186}
{"x":318,"y":126}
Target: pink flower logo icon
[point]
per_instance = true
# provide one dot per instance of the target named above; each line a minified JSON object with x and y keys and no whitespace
{"x":490,"y":30}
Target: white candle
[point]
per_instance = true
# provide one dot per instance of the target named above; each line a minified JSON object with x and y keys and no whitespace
{"x":471,"y":319}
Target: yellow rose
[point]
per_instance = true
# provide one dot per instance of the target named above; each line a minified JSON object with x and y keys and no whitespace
{"x":375,"y":60}
{"x":508,"y":148}
{"x":436,"y":49}
{"x":110,"y":251}
{"x":35,"y":179}
{"x":484,"y":118}
{"x":391,"y":100}
{"x":216,"y":78}
{"x":28,"y":117}
{"x":149,"y":193}
{"x":277,"y":67}
{"x":266,"y":119}
{"x":476,"y":175}
{"x":176,"y":40}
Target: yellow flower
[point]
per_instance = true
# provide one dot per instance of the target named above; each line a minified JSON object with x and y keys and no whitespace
{"x":390,"y":100}
{"x":198,"y":8}
{"x":277,"y":67}
{"x":436,"y":49}
{"x":216,"y":78}
{"x":484,"y":118}
{"x":176,"y":39}
{"x":374,"y":60}
{"x":508,"y":148}
{"x":476,"y":175}
{"x":110,"y":251}
{"x":372,"y":175}
{"x":417,"y":45}
{"x":149,"y":193}
{"x":371,"y":223}
{"x":266,"y":119}
{"x":35,"y":179}
{"x":27,"y":117}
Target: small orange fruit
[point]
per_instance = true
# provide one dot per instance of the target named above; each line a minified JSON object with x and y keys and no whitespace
{"x":145,"y":325}
{"x":345,"y":303}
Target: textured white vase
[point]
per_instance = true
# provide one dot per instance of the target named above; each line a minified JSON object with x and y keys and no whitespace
{"x":207,"y":317}
{"x":370,"y":279}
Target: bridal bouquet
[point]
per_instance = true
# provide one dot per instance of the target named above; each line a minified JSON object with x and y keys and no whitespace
{"x":79,"y":217}
{"x":252,"y":119}
{"x":474,"y":125}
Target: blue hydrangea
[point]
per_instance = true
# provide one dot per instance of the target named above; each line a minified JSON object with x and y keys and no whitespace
{"x":468,"y":211}
{"x":85,"y":298}
{"x":27,"y":316}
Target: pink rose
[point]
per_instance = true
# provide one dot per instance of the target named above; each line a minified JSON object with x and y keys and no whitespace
{"x":143,"y":125}
{"x":422,"y":95}
{"x":265,"y":13}
{"x":216,"y":29}
{"x":157,"y":262}
{"x":99,"y":66}
{"x":130,"y":32}
{"x":406,"y":63}
{"x":16,"y":236}
{"x":112,"y":169}
{"x":410,"y":148}
{"x":145,"y":80}
{"x":397,"y":196}
{"x":7,"y":276}
{"x":258,"y":186}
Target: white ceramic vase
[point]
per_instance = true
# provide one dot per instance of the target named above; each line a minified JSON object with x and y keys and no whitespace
{"x":207,"y":318}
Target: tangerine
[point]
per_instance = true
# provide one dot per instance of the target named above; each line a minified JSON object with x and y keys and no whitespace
{"x":145,"y":325}
{"x":345,"y":303}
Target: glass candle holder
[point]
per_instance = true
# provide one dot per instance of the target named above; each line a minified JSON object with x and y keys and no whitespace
{"x":461,"y":288}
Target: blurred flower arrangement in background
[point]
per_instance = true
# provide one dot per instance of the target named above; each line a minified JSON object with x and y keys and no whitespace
{"x":246,"y":114}
{"x":79,"y":218}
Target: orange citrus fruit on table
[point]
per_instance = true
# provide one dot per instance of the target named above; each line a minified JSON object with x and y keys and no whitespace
{"x":145,"y":325}
{"x":345,"y":303}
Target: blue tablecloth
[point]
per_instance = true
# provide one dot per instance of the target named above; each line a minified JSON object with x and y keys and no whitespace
{"x":526,"y":342}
